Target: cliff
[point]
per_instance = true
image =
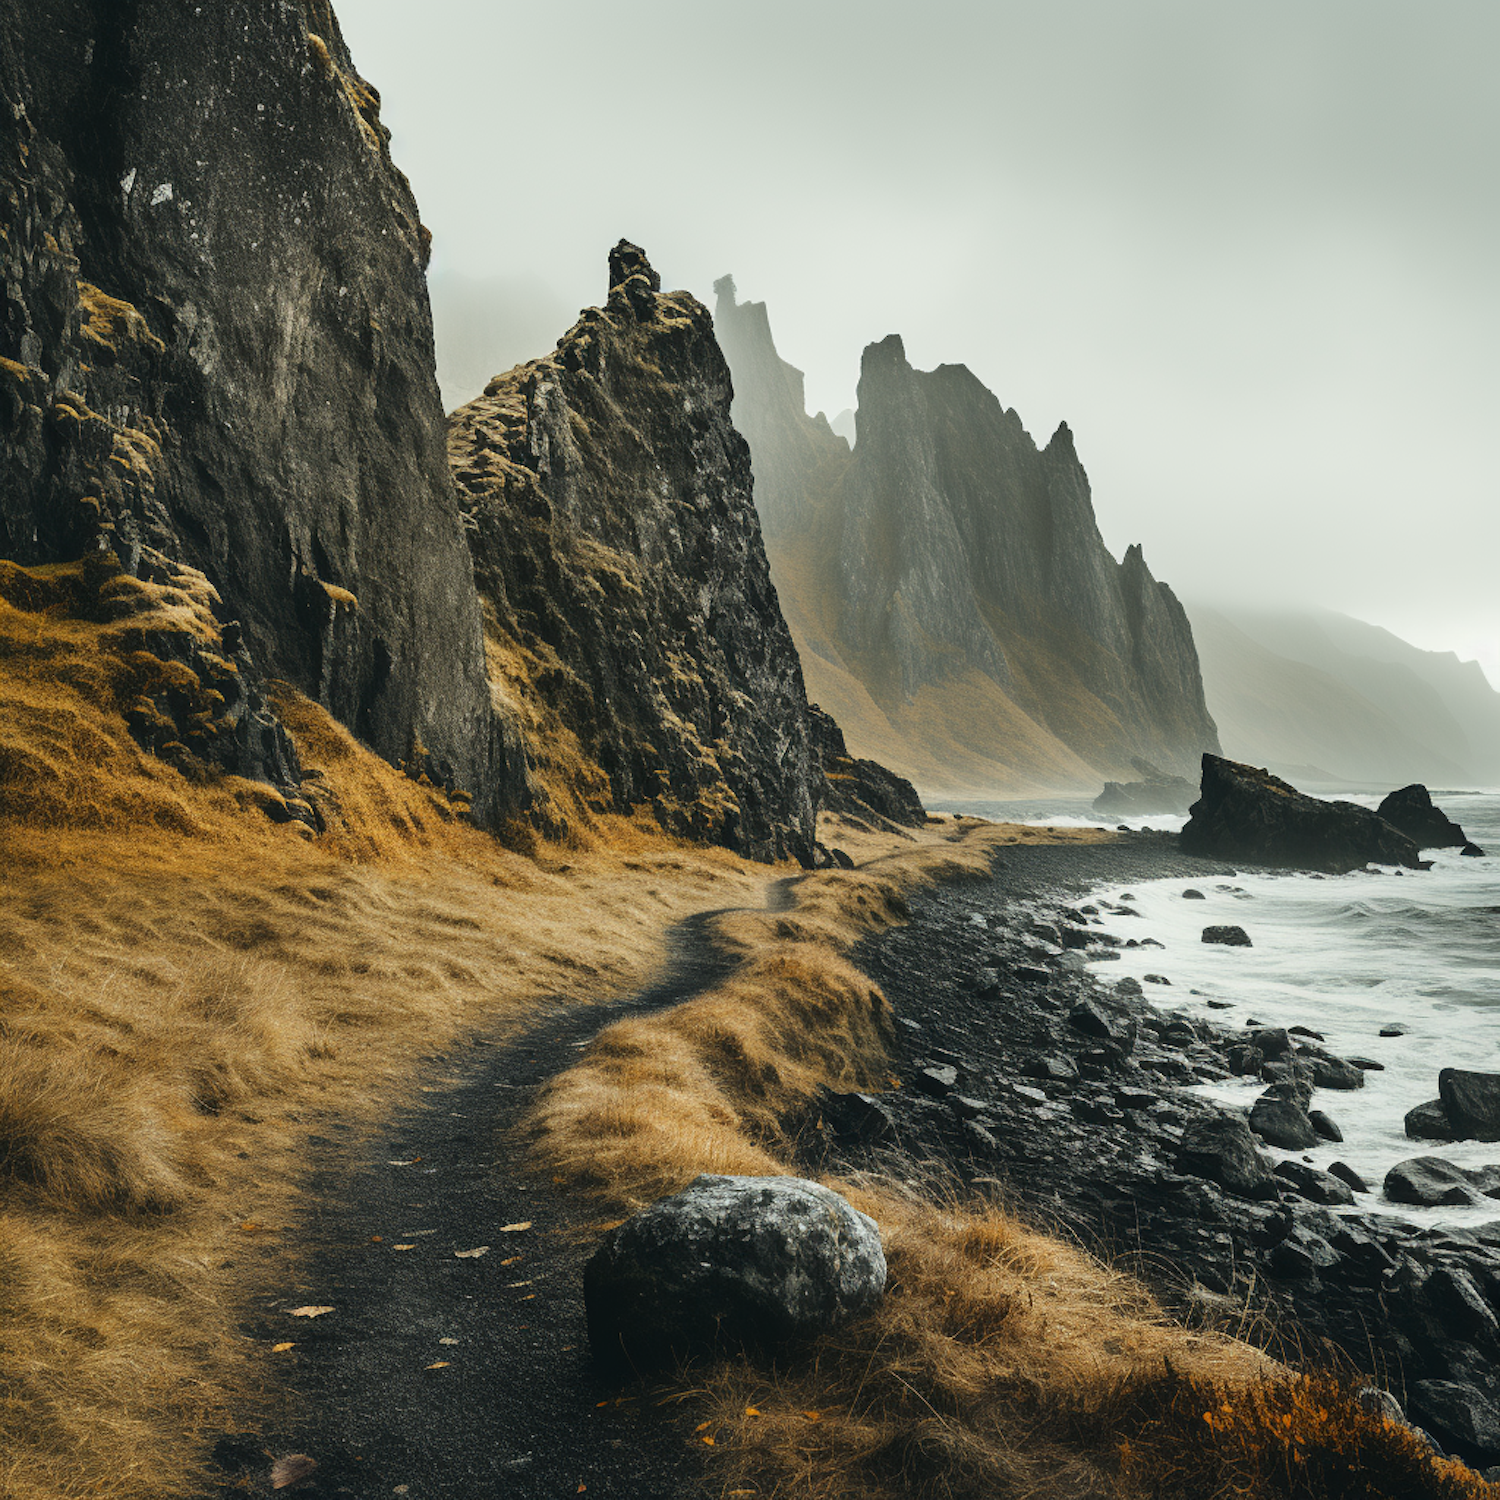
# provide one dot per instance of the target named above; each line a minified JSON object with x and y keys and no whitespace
{"x":216,"y":382}
{"x":631,"y":617}
{"x":956,"y":607}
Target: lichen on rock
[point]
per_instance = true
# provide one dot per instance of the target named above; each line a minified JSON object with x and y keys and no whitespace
{"x":607,"y":498}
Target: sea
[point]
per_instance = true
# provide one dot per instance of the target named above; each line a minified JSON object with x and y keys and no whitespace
{"x":1349,"y":956}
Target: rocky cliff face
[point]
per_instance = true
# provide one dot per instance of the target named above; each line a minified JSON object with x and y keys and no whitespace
{"x":631,"y":615}
{"x":215,"y":354}
{"x":955,"y":603}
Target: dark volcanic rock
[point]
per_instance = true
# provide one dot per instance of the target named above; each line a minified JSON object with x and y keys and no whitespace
{"x":1318,"y":1187}
{"x":1229,"y":936}
{"x":616,"y":543}
{"x":1283,"y":1123}
{"x":1430,"y":1122}
{"x":731,"y":1261}
{"x":1411,"y":812}
{"x":1471,"y":1102}
{"x":1219,"y":1146}
{"x":1460,"y":1415}
{"x":1430,"y":1182}
{"x":216,"y":351}
{"x":1246,"y":813}
{"x":1155,"y":792}
{"x":861,"y":789}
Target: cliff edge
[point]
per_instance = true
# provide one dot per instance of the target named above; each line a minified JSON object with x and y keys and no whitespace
{"x":216,"y":364}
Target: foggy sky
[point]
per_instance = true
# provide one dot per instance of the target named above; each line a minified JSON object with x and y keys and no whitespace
{"x":1248,"y":251}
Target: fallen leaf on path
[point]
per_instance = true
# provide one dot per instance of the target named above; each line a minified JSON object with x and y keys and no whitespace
{"x":752,"y":1411}
{"x":473,"y":1254}
{"x":281,"y":1348}
{"x":308,"y":1312}
{"x":702,"y":1426}
{"x":375,"y":1239}
{"x":292,"y":1469}
{"x":441,"y":1364}
{"x":813,"y":1416}
{"x":403,"y":1247}
{"x":708,"y":1438}
{"x":254,"y":1226}
{"x":515,"y":1228}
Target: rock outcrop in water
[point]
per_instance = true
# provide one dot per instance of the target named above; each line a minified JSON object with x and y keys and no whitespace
{"x":1245,"y":813}
{"x":954,"y":603}
{"x":215,"y":359}
{"x":1410,"y":811}
{"x":1155,"y":792}
{"x":630,"y":608}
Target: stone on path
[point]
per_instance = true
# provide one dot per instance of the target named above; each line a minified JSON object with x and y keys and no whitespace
{"x":731,"y":1261}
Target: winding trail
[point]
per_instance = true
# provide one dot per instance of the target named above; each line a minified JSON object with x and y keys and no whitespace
{"x":514,"y":1407}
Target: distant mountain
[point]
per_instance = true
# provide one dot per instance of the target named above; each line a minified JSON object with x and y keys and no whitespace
{"x":1320,"y":696}
{"x":953,"y":602}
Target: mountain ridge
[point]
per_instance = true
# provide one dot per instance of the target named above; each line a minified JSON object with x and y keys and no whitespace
{"x":947,"y":585}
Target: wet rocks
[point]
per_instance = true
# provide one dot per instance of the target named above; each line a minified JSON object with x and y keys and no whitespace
{"x":1410,"y":810}
{"x":1471,"y":1102}
{"x":1461,"y":1416}
{"x":1219,"y":1146}
{"x":1230,"y":936}
{"x":1314,"y":1185}
{"x":1282,"y":1122}
{"x":1432,"y":1182}
{"x":1429,"y":1122}
{"x":731,"y":1261}
{"x":1245,"y":813}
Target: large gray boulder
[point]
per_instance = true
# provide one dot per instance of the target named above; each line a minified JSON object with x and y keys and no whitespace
{"x":1248,"y":814}
{"x":731,"y":1261}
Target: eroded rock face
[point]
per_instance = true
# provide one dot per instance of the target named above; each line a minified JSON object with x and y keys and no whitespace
{"x":731,"y":1261}
{"x":862,"y":789}
{"x":616,"y":544}
{"x":215,"y":352}
{"x":1245,"y":813}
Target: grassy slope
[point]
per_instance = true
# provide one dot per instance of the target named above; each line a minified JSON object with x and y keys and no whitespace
{"x":189,"y":987}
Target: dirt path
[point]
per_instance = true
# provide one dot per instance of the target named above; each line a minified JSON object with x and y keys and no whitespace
{"x":444,"y":1376}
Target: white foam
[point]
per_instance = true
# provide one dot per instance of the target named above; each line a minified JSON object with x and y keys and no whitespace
{"x":1346,"y":955}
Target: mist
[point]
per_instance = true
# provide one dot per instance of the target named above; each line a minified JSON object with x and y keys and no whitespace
{"x":1246,"y":252}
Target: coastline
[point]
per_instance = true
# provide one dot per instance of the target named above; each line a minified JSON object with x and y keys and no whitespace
{"x":980,"y":986}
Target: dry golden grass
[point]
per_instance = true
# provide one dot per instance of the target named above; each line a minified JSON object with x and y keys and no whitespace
{"x":1002,"y":1364}
{"x":188,"y":989}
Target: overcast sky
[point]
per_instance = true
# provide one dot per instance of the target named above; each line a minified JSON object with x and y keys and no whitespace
{"x":1248,"y":251}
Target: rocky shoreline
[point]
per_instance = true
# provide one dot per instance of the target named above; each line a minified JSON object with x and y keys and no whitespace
{"x":1026,"y":1068}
